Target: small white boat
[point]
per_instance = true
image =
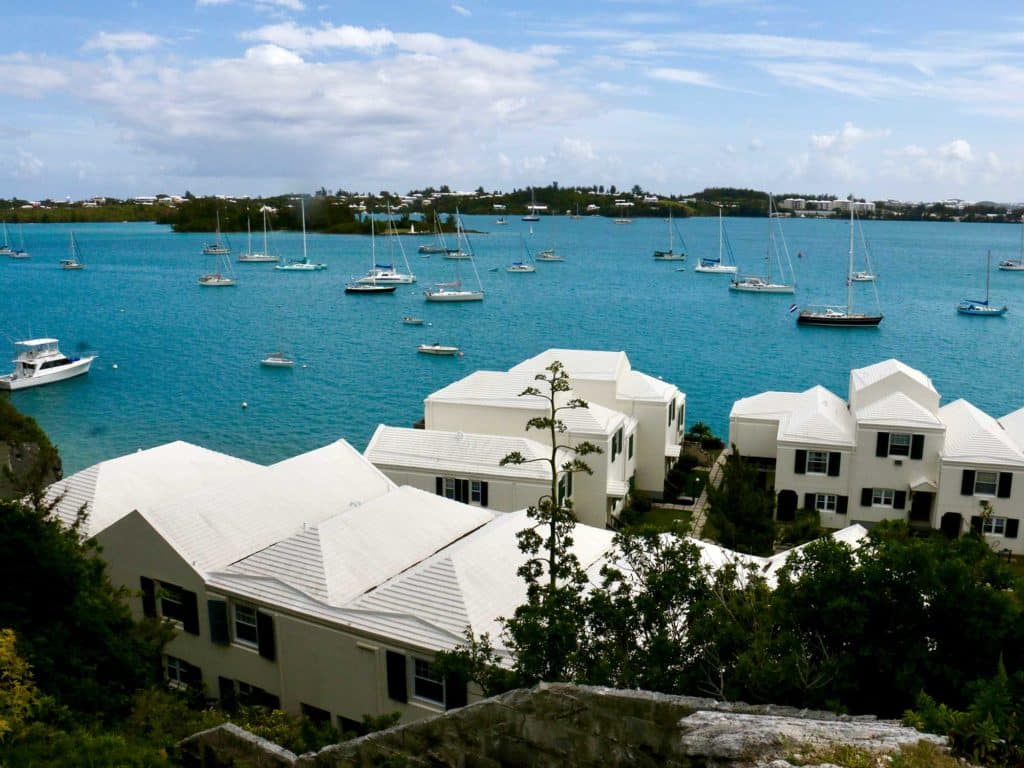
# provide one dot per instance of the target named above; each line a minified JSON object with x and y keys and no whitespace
{"x":549,"y":254}
{"x":386,"y":274}
{"x":74,"y":260}
{"x":863,"y":277}
{"x":768,"y":283}
{"x":1015,"y":265}
{"x":453,"y":290}
{"x":410,"y":320}
{"x":277,"y":360}
{"x":258,"y":257}
{"x":70,"y":264}
{"x":520,"y":267}
{"x":42,"y":362}
{"x":456,"y":255}
{"x":438,"y":349}
{"x":217,"y":247}
{"x":216,"y":280}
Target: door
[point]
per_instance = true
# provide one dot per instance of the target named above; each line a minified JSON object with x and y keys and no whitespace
{"x":921,"y":508}
{"x":785,"y":510}
{"x":952,"y":524}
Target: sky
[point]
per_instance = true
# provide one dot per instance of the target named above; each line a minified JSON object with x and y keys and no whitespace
{"x":912,"y":101}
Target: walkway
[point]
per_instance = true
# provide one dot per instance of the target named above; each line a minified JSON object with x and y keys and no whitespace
{"x":700,"y":506}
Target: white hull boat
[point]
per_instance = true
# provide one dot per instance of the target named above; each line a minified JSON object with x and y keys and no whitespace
{"x":453,"y":291}
{"x":521,"y":268}
{"x":717,"y":266}
{"x":450,"y":294}
{"x":780,"y":256}
{"x":259,"y":257}
{"x":442,"y":350}
{"x":1015,"y":265}
{"x":757,"y":285}
{"x":216,"y":280}
{"x":218,"y":247}
{"x":862,"y":277}
{"x":549,"y":255}
{"x":277,"y":360}
{"x":716,"y":269}
{"x":43,"y":363}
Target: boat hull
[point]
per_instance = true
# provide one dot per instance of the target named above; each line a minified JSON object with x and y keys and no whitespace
{"x":980,"y":311}
{"x":524,"y":269}
{"x":838,"y":320}
{"x":369,"y":289}
{"x":760,"y":287}
{"x":668,"y":256}
{"x":254,"y":258}
{"x":716,"y":270}
{"x":216,"y":282}
{"x":49,"y":376}
{"x":1011,"y":266}
{"x":437,"y":349}
{"x":454,"y":295}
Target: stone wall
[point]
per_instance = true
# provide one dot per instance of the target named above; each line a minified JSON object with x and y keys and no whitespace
{"x":578,"y":727}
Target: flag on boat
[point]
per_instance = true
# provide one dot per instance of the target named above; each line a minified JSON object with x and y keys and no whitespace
{"x":793,"y":308}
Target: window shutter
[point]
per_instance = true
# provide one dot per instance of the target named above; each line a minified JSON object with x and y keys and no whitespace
{"x":833,"y":464}
{"x":218,"y":615}
{"x":483,"y":493}
{"x":967,"y":483}
{"x":842,"y":502}
{"x":1005,"y":483}
{"x":190,"y":609}
{"x":193,"y":676}
{"x":800,"y":466}
{"x":865,"y":496}
{"x":269,"y":700}
{"x":809,"y":501}
{"x":916,"y":446}
{"x":148,"y":597}
{"x":397,"y":684}
{"x":976,"y":523}
{"x":899,"y":499}
{"x":455,"y":693}
{"x":265,"y":635}
{"x":1011,"y":528}
{"x":882,"y":444}
{"x":226,"y":689}
{"x":439,"y":486}
{"x":463,"y":491}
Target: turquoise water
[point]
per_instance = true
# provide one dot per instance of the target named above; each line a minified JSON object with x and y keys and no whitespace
{"x":187,"y":357}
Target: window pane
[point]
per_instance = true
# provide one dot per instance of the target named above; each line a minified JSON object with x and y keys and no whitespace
{"x":985,"y":483}
{"x":899,"y":444}
{"x":427,"y":684}
{"x":881,"y":497}
{"x":245,"y":625}
{"x":817,"y":462}
{"x":171,"y":606}
{"x":474,"y":491}
{"x":996,"y":525}
{"x":826,"y":502}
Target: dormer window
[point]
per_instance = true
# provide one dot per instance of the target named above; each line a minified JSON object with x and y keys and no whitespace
{"x":817,"y":462}
{"x":899,"y":444}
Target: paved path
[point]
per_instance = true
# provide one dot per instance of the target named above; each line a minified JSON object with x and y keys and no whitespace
{"x":700,"y":506}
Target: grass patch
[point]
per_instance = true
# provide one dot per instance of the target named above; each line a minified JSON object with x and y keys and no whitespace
{"x":923,"y":754}
{"x":662,"y":519}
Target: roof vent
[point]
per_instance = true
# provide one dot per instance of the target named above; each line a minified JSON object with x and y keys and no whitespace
{"x":459,"y":435}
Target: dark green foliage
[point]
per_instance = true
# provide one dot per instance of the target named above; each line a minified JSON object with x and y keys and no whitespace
{"x":805,"y":527}
{"x":21,"y":433}
{"x":740,"y":514}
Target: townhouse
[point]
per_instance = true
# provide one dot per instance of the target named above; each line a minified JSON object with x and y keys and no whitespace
{"x":889,"y":452}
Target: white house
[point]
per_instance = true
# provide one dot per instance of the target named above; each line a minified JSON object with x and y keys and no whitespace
{"x":889,"y":453}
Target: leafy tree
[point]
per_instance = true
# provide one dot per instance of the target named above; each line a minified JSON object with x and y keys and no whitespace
{"x":740,"y":514}
{"x":18,"y":692}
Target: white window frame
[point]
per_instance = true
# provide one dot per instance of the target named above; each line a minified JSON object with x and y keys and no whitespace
{"x":883,"y":497}
{"x":170,"y":593}
{"x":449,"y":487}
{"x":978,"y":482}
{"x":817,"y":460}
{"x":900,"y":448}
{"x":826,"y":502}
{"x":176,"y":669}
{"x":235,"y":621}
{"x":994,"y":526}
{"x":476,"y":492}
{"x":422,"y":669}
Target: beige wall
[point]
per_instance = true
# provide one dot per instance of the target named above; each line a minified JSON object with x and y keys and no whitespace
{"x":503,"y":494}
{"x":949,"y":499}
{"x":754,"y":438}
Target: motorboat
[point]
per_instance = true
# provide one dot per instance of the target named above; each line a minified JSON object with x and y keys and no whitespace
{"x":277,"y":360}
{"x":41,"y":362}
{"x":863,"y":277}
{"x":754,"y":284}
{"x":549,"y":254}
{"x":410,"y":320}
{"x":442,"y":350}
{"x":386,"y":274}
{"x":519,"y":266}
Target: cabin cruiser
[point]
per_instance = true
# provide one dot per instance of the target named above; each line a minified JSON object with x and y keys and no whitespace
{"x":41,"y":362}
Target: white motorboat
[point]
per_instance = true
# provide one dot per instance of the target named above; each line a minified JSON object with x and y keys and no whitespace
{"x":1015,"y":265}
{"x":303,"y":264}
{"x":277,"y":360}
{"x":520,"y":267}
{"x":549,"y":254}
{"x":42,"y":362}
{"x":714,"y":265}
{"x":767,"y":284}
{"x":218,"y":247}
{"x":863,"y":277}
{"x":258,"y":257}
{"x":410,"y":320}
{"x":443,"y":350}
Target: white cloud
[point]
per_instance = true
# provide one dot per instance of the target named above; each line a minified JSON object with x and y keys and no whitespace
{"x":755,"y":145}
{"x":272,"y":56}
{"x":957,"y":150}
{"x":292,"y":36}
{"x":121,"y":41}
{"x":27,"y":166}
{"x":843,"y":140}
{"x":685,"y":76}
{"x":287,"y":5}
{"x":461,"y":10}
{"x":31,"y":77}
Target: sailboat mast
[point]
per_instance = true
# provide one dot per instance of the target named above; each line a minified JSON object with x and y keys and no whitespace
{"x":849,"y":269}
{"x":771,"y":243}
{"x":671,"y":245}
{"x":373,"y":244}
{"x":988,"y":275}
{"x":302,"y":204}
{"x":719,"y":233}
{"x":265,"y":251}
{"x":248,"y":229}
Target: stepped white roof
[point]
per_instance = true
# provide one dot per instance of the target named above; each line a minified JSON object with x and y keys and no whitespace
{"x":820,"y":417}
{"x":579,"y":363}
{"x":767,"y":406}
{"x":635,"y":385}
{"x":871,"y":374}
{"x":972,"y":436}
{"x":1013,"y":423}
{"x":113,"y":488}
{"x":222,"y":523}
{"x":897,"y":409}
{"x":433,"y":450}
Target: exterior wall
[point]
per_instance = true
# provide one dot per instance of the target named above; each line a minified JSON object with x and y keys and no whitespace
{"x":949,"y":499}
{"x":787,"y":479}
{"x":754,"y":438}
{"x":891,"y":472}
{"x":652,"y":434}
{"x":503,"y":494}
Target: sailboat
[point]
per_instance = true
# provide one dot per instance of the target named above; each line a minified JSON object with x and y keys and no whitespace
{"x":548,"y":254}
{"x":978,"y":307}
{"x":5,"y":249}
{"x":369,"y":284}
{"x":74,"y":260}
{"x":218,"y":247}
{"x":523,"y":266}
{"x":758,"y":284}
{"x":500,"y":208}
{"x":1015,"y":265}
{"x":670,"y":254}
{"x":453,"y":291}
{"x":18,"y":253}
{"x":440,"y":246}
{"x":713,"y":265}
{"x":303,"y":264}
{"x":531,"y":214}
{"x":622,"y":218}
{"x":263,"y":257}
{"x":219,"y":279}
{"x":385,"y":274}
{"x":841,"y":317}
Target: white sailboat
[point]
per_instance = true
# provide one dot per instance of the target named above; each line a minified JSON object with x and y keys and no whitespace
{"x":20,"y":253}
{"x":670,"y":254}
{"x":523,"y":266}
{"x":766,"y":283}
{"x":716,"y":265}
{"x":303,"y":264}
{"x":218,"y":247}
{"x":258,"y":257}
{"x":842,"y":317}
{"x":453,"y":290}
{"x":74,"y":260}
{"x":387,"y":274}
{"x":218,"y":278}
{"x":980,"y":308}
{"x":531,"y":214}
{"x":622,"y":218}
{"x":369,"y":284}
{"x":5,"y":249}
{"x":1015,"y":265}
{"x":549,"y":254}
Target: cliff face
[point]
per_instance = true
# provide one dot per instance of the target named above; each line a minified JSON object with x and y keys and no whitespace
{"x":579,"y":727}
{"x":27,"y":457}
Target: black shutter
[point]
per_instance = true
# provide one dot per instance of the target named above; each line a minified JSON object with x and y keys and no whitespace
{"x":976,"y":523}
{"x":899,"y":500}
{"x":455,"y":694}
{"x":1005,"y":483}
{"x":916,"y":446}
{"x":397,"y":684}
{"x":439,"y":486}
{"x":800,"y":465}
{"x":833,"y":464}
{"x":842,"y":503}
{"x":1011,"y":528}
{"x":193,"y":676}
{"x":967,"y":483}
{"x":865,"y":496}
{"x":483,"y":493}
{"x":148,"y":597}
{"x":809,"y":501}
{"x":190,"y":612}
{"x":226,"y":689}
{"x":269,"y":700}
{"x":463,"y":494}
{"x":265,"y":635}
{"x":882,"y":444}
{"x":218,"y":614}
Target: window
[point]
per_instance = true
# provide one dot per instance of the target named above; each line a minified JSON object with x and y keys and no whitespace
{"x":426,"y":682}
{"x":629,"y":453}
{"x":476,"y":492}
{"x":449,"y":487}
{"x":994,"y":525}
{"x":881,"y":497}
{"x":899,"y":444}
{"x":315,"y":714}
{"x":985,"y":483}
{"x":671,"y":412}
{"x":817,"y":462}
{"x":245,"y":625}
{"x":826,"y":502}
{"x":178,"y":672}
{"x":172,"y":603}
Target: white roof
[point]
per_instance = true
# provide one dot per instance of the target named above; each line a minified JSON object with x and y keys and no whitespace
{"x":579,"y":363}
{"x":434,"y":450}
{"x":342,"y":557}
{"x":975,"y":437}
{"x":218,"y":525}
{"x":820,"y":417}
{"x":142,"y":480}
{"x":639,"y":386}
{"x":1013,"y":423}
{"x":865,"y":377}
{"x":897,"y":409}
{"x":35,"y":342}
{"x":767,"y":406}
